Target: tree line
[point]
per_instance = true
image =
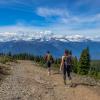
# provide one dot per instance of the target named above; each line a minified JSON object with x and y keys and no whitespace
{"x":79,"y":66}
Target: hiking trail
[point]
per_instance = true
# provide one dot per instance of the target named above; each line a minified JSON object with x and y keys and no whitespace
{"x":30,"y":82}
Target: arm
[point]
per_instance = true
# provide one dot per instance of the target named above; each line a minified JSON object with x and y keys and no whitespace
{"x":62,"y":62}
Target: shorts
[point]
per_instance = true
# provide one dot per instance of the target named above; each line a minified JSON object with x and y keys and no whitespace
{"x":48,"y":64}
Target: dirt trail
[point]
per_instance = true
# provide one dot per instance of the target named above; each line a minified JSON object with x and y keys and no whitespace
{"x":29,"y":82}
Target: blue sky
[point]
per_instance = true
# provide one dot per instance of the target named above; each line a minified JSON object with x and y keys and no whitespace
{"x":58,"y":16}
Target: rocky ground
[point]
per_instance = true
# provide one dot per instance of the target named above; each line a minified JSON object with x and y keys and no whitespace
{"x":30,"y":82}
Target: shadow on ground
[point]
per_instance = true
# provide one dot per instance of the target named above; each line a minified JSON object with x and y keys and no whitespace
{"x":82,"y":84}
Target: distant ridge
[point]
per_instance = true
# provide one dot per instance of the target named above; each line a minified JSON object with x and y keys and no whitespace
{"x":56,"y":47}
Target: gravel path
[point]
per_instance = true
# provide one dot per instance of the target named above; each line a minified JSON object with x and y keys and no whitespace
{"x":25,"y":84}
{"x":28,"y":82}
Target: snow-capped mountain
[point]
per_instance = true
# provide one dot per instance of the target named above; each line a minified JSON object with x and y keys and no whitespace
{"x":38,"y":43}
{"x":43,"y":36}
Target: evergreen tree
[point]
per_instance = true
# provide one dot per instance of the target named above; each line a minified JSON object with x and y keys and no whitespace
{"x":84,"y":62}
{"x":75,"y":65}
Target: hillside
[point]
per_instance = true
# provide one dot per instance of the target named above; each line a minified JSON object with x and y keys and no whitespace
{"x":31,"y":82}
{"x":56,"y":47}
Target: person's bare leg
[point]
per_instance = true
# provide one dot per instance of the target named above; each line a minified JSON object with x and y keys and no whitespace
{"x":49,"y":71}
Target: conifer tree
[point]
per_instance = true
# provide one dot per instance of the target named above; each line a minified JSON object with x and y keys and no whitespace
{"x":75,"y":64}
{"x":84,"y":62}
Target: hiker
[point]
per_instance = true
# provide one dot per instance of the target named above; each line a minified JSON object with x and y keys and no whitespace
{"x":66,"y":64}
{"x":49,"y":60}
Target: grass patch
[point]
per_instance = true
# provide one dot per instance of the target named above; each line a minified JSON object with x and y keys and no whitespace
{"x":5,"y":68}
{"x":4,"y":72}
{"x":5,"y":59}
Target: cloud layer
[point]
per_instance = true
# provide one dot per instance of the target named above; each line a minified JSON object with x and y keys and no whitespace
{"x":59,"y":16}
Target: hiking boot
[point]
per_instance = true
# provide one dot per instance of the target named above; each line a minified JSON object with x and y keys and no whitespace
{"x":69,"y":82}
{"x":67,"y":86}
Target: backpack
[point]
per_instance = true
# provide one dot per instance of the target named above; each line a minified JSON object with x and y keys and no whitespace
{"x":68,"y":60}
{"x":49,"y":58}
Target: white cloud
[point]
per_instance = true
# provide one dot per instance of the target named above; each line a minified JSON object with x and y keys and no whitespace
{"x":66,"y":23}
{"x":81,"y":20}
{"x":49,"y":12}
{"x":64,"y":16}
{"x":15,"y":28}
{"x":57,"y":29}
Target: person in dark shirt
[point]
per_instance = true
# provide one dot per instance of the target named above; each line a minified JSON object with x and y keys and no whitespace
{"x":66,"y":65}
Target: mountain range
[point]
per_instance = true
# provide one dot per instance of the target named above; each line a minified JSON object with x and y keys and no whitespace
{"x":44,"y":36}
{"x":38,"y":43}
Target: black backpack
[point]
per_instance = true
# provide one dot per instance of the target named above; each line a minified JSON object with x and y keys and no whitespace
{"x":68,"y":60}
